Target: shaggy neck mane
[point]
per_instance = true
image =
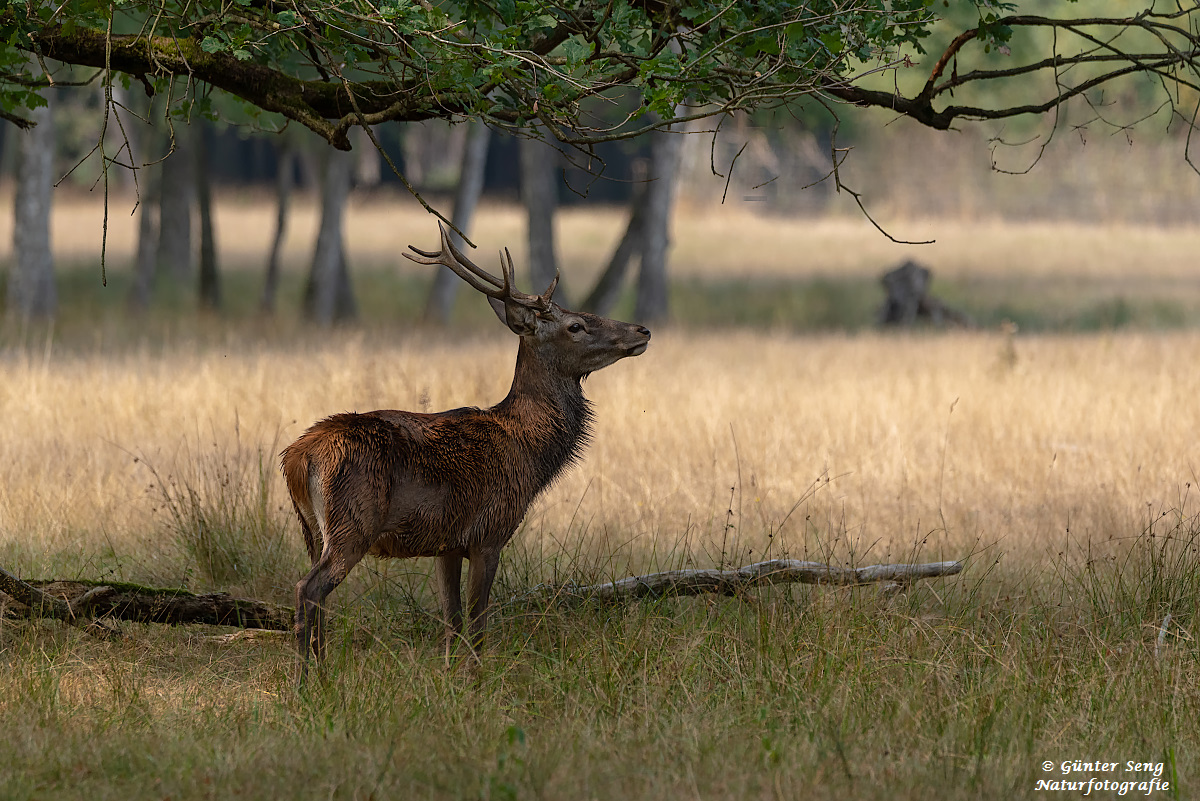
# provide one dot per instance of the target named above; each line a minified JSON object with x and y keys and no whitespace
{"x":555,"y":418}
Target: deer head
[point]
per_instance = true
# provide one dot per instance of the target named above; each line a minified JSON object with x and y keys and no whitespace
{"x":574,"y":343}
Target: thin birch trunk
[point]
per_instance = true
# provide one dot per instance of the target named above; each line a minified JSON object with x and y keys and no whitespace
{"x":329,"y":297}
{"x":284,"y":182}
{"x":31,"y":289}
{"x":539,"y":192}
{"x":177,"y":195}
{"x":466,"y":198}
{"x":607,"y":291}
{"x":652,"y":286}
{"x":210,"y":277}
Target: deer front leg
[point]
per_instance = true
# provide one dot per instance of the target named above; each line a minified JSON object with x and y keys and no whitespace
{"x":484,"y":561}
{"x":448,"y":569}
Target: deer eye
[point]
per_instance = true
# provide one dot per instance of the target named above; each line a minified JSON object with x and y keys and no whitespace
{"x":575,"y":328}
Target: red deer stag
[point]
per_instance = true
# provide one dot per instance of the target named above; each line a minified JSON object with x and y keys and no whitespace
{"x":454,"y":484}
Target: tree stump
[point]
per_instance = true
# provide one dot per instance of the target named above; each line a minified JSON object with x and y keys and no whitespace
{"x":909,"y":302}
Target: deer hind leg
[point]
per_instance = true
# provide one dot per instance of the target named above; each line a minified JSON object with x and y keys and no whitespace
{"x":484,"y":561}
{"x":448,"y":569}
{"x":341,"y":553}
{"x":308,"y":527}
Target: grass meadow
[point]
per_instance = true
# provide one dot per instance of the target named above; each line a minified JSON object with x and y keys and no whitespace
{"x":769,"y":419}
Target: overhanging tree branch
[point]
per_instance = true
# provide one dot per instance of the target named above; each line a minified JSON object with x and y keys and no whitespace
{"x":513,"y":65}
{"x":312,"y":103}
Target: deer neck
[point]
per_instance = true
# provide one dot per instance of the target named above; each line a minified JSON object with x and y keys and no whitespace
{"x":550,"y":419}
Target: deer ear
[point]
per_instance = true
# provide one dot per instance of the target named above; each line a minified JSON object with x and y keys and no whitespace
{"x":521,"y":320}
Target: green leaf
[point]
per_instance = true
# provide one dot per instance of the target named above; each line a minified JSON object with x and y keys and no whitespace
{"x":210,"y":45}
{"x":575,"y":49}
{"x":764,"y":45}
{"x":833,"y":42}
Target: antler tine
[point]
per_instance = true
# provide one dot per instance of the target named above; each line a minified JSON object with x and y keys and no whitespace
{"x":449,"y":256}
{"x":465,"y":262}
{"x":540,"y":301}
{"x":549,"y":293}
{"x":510,"y":274}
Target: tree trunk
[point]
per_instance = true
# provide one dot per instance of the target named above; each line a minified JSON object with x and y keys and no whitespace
{"x":607,"y":291}
{"x":145,"y":261}
{"x":177,"y":194}
{"x":31,"y":288}
{"x":210,"y":278}
{"x":368,"y":163}
{"x":539,"y":192}
{"x":143,"y":141}
{"x":665,"y":150}
{"x":466,"y":197}
{"x":284,"y":181}
{"x":328,"y":296}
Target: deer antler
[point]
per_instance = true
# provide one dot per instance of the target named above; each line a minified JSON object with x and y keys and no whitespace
{"x":464,"y":268}
{"x":479,"y":278}
{"x":542,"y":302}
{"x":549,"y":293}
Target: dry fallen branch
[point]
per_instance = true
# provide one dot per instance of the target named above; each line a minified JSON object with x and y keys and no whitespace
{"x":774,"y":571}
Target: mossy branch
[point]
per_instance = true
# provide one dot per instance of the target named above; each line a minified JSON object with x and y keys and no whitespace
{"x":312,"y":103}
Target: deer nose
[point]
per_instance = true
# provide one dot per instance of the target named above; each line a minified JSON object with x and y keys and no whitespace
{"x":644,"y":331}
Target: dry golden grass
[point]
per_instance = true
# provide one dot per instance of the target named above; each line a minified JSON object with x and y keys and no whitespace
{"x":1078,"y":430}
{"x":883,"y":440}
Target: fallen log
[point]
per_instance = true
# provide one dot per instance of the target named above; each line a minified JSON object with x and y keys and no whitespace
{"x":775,"y":571}
{"x":82,"y":602}
{"x":39,"y":603}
